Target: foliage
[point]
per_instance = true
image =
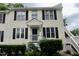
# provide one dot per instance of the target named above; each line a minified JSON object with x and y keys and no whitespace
{"x":65,"y":22}
{"x":75,"y":32}
{"x":16,"y":5}
{"x":76,"y":54}
{"x":50,"y":47}
{"x":13,"y":48}
{"x":32,"y":47}
{"x":3,"y":6}
{"x":33,"y":53}
{"x":68,"y":52}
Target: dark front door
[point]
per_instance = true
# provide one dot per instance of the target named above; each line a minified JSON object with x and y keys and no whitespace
{"x":34,"y":33}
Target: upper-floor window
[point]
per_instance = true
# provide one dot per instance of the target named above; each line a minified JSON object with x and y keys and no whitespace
{"x":49,"y":15}
{"x":20,"y":33}
{"x":2,"y":18}
{"x":21,"y":15}
{"x":34,"y":14}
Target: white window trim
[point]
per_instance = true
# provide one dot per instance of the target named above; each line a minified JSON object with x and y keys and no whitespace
{"x":20,"y":15}
{"x":50,"y":32}
{"x":19,"y":33}
{"x":36,"y":12}
{"x":49,"y":15}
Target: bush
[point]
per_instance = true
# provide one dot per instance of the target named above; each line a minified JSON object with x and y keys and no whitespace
{"x":76,"y":54}
{"x":32,"y":53}
{"x":68,"y":52}
{"x":8,"y":49}
{"x":32,"y":47}
{"x":50,"y":47}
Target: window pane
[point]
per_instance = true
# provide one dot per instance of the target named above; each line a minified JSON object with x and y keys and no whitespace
{"x":22,"y":33}
{"x":21,"y":16}
{"x":51,"y":15}
{"x":46,"y":15}
{"x":48,"y":32}
{"x":52,"y":32}
{"x":34,"y":14}
{"x":18,"y":33}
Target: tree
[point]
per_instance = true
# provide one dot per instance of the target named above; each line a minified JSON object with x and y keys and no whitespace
{"x":65,"y":22}
{"x":16,"y":5}
{"x":3,"y":6}
{"x":75,"y":32}
{"x":10,"y":5}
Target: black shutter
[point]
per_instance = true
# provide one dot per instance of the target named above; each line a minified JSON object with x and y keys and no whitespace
{"x":57,"y":35}
{"x":26,"y":15}
{"x":26,"y":33}
{"x":43,"y":15}
{"x":44,"y":35}
{"x":4,"y":18}
{"x":14,"y":33}
{"x":14,"y":15}
{"x":2,"y":36}
{"x":55,"y":14}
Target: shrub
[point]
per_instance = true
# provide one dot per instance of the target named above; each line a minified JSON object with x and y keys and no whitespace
{"x":76,"y":54}
{"x":13,"y":48}
{"x":32,"y":53}
{"x":50,"y":47}
{"x":68,"y":52}
{"x":32,"y":47}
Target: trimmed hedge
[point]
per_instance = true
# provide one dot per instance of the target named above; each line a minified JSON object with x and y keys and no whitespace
{"x":49,"y":47}
{"x":8,"y":49}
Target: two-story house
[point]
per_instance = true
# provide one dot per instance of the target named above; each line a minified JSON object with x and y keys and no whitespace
{"x":31,"y":24}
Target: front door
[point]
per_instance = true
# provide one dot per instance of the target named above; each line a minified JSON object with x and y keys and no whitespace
{"x":34,"y":34}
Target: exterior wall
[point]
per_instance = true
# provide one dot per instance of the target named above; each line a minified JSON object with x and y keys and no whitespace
{"x":10,"y":24}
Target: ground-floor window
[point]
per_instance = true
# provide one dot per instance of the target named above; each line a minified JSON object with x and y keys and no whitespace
{"x":50,"y":32}
{"x":1,"y":36}
{"x":20,"y":33}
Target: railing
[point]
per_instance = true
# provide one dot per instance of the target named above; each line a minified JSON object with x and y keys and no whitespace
{"x":34,"y":37}
{"x":72,"y":38}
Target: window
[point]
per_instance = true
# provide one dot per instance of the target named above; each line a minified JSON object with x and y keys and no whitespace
{"x":50,"y":32}
{"x":49,"y":15}
{"x":20,"y":15}
{"x":2,"y":18}
{"x":1,"y":36}
{"x":19,"y":33}
{"x":34,"y":14}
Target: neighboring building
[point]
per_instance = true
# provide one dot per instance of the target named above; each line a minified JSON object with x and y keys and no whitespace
{"x":23,"y":25}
